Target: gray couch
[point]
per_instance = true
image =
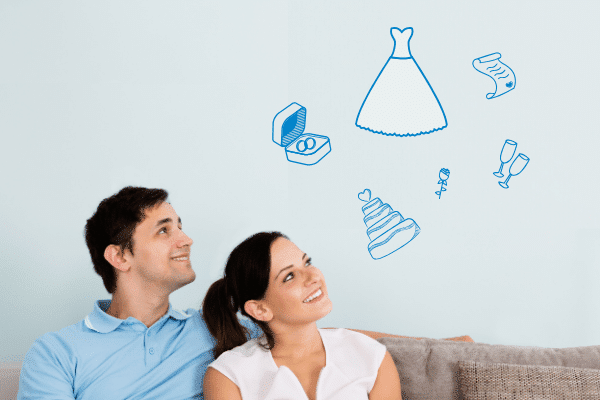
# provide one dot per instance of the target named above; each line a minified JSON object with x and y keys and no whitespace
{"x":452,"y":370}
{"x":431,"y":368}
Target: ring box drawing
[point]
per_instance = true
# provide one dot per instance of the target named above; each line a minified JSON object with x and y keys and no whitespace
{"x":288,"y":131}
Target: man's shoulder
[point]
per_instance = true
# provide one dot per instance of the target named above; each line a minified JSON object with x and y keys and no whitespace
{"x":56,"y":348}
{"x":65,"y":341}
{"x":65,"y":335}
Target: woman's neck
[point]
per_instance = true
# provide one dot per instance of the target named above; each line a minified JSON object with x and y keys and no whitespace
{"x":297,"y":342}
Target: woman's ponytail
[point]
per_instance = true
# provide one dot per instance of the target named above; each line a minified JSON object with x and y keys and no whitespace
{"x":220,"y":316}
{"x":246,"y":278}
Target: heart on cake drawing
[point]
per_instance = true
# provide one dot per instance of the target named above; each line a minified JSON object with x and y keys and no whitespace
{"x":365,"y":195}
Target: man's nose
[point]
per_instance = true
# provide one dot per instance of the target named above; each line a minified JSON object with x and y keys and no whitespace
{"x":184,"y":240}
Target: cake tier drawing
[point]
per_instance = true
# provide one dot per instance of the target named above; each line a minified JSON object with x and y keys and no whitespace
{"x":401,"y":102}
{"x":387,"y":229}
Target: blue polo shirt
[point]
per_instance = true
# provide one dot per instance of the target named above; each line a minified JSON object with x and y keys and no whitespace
{"x":103,"y":357}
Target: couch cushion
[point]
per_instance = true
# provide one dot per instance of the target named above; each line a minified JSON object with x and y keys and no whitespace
{"x":9,"y":379}
{"x":428,"y":367}
{"x":487,"y":381}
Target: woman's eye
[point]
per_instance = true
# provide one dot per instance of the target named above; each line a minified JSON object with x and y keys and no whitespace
{"x":309,"y":262}
{"x":287,"y":276}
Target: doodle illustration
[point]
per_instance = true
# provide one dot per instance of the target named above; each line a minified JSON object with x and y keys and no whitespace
{"x":503,"y":76}
{"x":518,"y":165}
{"x":387,"y":229}
{"x":444,"y":175}
{"x":401,"y":102}
{"x":507,"y":153}
{"x":288,"y":131}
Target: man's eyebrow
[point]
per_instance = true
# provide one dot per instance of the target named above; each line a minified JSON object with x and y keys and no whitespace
{"x":289,"y":266}
{"x":166,"y":221}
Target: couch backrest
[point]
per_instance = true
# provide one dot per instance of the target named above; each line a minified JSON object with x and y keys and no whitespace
{"x":428,"y":367}
{"x":9,"y":380}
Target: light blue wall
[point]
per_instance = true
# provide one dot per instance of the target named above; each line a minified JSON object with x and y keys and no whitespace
{"x":181,"y":95}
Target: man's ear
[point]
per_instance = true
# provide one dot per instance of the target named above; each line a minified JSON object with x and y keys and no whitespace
{"x":116,"y":257}
{"x":258,"y":310}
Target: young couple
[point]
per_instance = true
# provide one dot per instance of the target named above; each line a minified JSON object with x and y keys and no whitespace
{"x":136,"y":346}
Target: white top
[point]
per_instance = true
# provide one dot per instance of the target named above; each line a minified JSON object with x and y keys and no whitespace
{"x":352,"y":361}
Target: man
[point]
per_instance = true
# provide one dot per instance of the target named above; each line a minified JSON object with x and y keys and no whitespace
{"x":135,"y":345}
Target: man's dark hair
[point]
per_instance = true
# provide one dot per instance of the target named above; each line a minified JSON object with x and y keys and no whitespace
{"x":114,"y":223}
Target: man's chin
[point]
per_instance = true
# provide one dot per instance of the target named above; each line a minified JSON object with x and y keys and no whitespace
{"x":191,"y":278}
{"x":183,"y":280}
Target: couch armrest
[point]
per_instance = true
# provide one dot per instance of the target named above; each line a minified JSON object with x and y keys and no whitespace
{"x":377,"y":335}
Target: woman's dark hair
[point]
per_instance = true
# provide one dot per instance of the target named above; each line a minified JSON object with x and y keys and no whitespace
{"x":114,"y":222}
{"x":246,"y":278}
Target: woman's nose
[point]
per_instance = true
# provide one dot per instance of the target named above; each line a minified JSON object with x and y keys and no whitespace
{"x":312,"y":276}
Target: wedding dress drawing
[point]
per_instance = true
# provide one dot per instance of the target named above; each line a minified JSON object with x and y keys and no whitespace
{"x":503,"y":76}
{"x":401,"y":102}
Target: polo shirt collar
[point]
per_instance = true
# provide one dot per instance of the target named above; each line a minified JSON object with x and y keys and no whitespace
{"x":99,"y":321}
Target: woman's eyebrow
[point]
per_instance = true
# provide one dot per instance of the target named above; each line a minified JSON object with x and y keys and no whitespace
{"x":283,"y":269}
{"x":289,"y":266}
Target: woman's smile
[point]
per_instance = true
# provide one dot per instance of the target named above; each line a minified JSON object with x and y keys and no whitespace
{"x":315,"y":297}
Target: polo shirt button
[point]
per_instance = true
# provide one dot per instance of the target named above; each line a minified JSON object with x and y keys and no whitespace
{"x":149,"y":333}
{"x":151,"y":351}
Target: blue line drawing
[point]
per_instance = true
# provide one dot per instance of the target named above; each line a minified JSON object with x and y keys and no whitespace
{"x":508,"y":151}
{"x":517,"y":166}
{"x":387,"y":229}
{"x":401,"y":102}
{"x":300,"y":148}
{"x":444,"y":175}
{"x":518,"y":163}
{"x":504,"y":77}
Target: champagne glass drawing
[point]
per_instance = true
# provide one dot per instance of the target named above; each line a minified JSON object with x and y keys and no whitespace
{"x":516,"y":167}
{"x":508,"y":151}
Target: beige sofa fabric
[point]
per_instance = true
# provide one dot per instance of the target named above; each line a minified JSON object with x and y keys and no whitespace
{"x":9,"y":380}
{"x":493,"y":381}
{"x":428,"y":368}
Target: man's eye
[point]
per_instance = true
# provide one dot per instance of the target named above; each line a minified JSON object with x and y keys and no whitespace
{"x":163,"y":230}
{"x":309,"y":261}
{"x":287,"y":276}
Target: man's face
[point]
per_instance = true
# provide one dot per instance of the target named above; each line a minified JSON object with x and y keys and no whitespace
{"x":161,"y":251}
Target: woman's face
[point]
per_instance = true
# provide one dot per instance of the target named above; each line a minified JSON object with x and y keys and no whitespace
{"x":297,"y":292}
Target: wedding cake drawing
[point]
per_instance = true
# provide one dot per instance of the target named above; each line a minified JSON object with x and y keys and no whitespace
{"x":401,"y":102}
{"x":387,"y":229}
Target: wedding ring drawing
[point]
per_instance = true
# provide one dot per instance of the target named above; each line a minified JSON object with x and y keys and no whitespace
{"x":288,"y":132}
{"x":306,"y":144}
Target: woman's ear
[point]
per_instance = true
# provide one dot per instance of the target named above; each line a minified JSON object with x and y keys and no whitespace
{"x":115,"y":257}
{"x":258,"y":310}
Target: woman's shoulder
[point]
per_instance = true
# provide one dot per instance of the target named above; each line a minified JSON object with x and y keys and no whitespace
{"x":341,"y":335}
{"x":250,"y":349}
{"x":346,"y":345}
{"x":243,"y":365}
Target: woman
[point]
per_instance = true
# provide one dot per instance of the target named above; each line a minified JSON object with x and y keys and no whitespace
{"x":273,"y":282}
